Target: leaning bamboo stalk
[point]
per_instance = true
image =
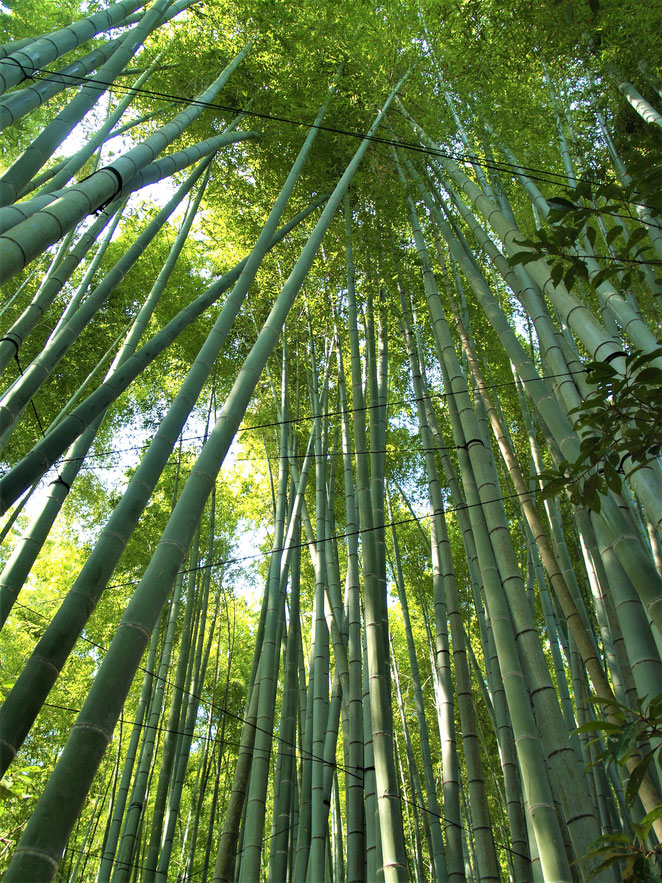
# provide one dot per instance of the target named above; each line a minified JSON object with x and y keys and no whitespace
{"x":26,"y":239}
{"x":210,"y":770}
{"x":118,"y":853}
{"x":632,"y":555}
{"x":495,"y":700}
{"x":578,"y":316}
{"x":23,"y":557}
{"x":284,"y":786}
{"x":40,"y":52}
{"x":40,"y":150}
{"x":585,"y":641}
{"x":572,"y":614}
{"x":173,"y":726}
{"x":300,"y":859}
{"x":17,"y":104}
{"x":199,"y":667}
{"x":18,"y":396}
{"x":321,"y":662}
{"x":60,"y":271}
{"x":146,"y":731}
{"x":228,"y":838}
{"x":373,"y":848}
{"x":46,"y":452}
{"x":647,"y":486}
{"x":636,"y":100}
{"x":19,"y":710}
{"x":13,"y":217}
{"x":25,"y":553}
{"x":482,"y":828}
{"x":42,"y":179}
{"x":414,"y":778}
{"x":78,"y":160}
{"x":654,"y":233}
{"x":15,"y":45}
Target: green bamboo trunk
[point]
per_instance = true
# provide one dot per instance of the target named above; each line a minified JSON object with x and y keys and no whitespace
{"x":390,"y":820}
{"x":18,"y":396}
{"x":49,"y":139}
{"x":46,"y":452}
{"x":41,"y":52}
{"x":28,"y":238}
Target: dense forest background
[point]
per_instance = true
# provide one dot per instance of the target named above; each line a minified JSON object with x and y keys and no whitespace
{"x":330,"y":491}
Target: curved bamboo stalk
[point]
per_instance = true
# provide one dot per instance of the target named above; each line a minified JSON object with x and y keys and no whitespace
{"x":49,"y":139}
{"x":18,"y":396}
{"x":19,"y":710}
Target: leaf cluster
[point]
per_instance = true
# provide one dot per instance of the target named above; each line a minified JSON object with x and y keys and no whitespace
{"x":571,"y":221}
{"x":625,"y":735}
{"x":571,"y":215}
{"x":620,"y":426}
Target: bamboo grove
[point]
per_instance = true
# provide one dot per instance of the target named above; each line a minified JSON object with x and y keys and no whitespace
{"x":310,"y":570}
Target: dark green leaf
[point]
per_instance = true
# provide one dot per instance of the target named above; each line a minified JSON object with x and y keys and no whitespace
{"x":636,"y":778}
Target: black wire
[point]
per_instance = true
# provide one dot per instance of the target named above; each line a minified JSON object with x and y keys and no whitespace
{"x":213,"y":740}
{"x":133,"y":866}
{"x":226,"y":711}
{"x":115,"y":88}
{"x":465,"y":828}
{"x":325,"y":414}
{"x":409,"y":401}
{"x":275,"y":834}
{"x":272,"y":457}
{"x":20,"y":371}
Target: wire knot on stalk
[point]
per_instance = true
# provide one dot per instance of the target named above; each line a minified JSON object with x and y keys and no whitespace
{"x":118,"y":187}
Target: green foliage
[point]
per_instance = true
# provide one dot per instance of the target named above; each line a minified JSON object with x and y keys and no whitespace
{"x":628,"y":735}
{"x":620,"y":429}
{"x":572,"y":215}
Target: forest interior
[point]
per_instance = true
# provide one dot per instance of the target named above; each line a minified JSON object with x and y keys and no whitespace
{"x":330,"y":483}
